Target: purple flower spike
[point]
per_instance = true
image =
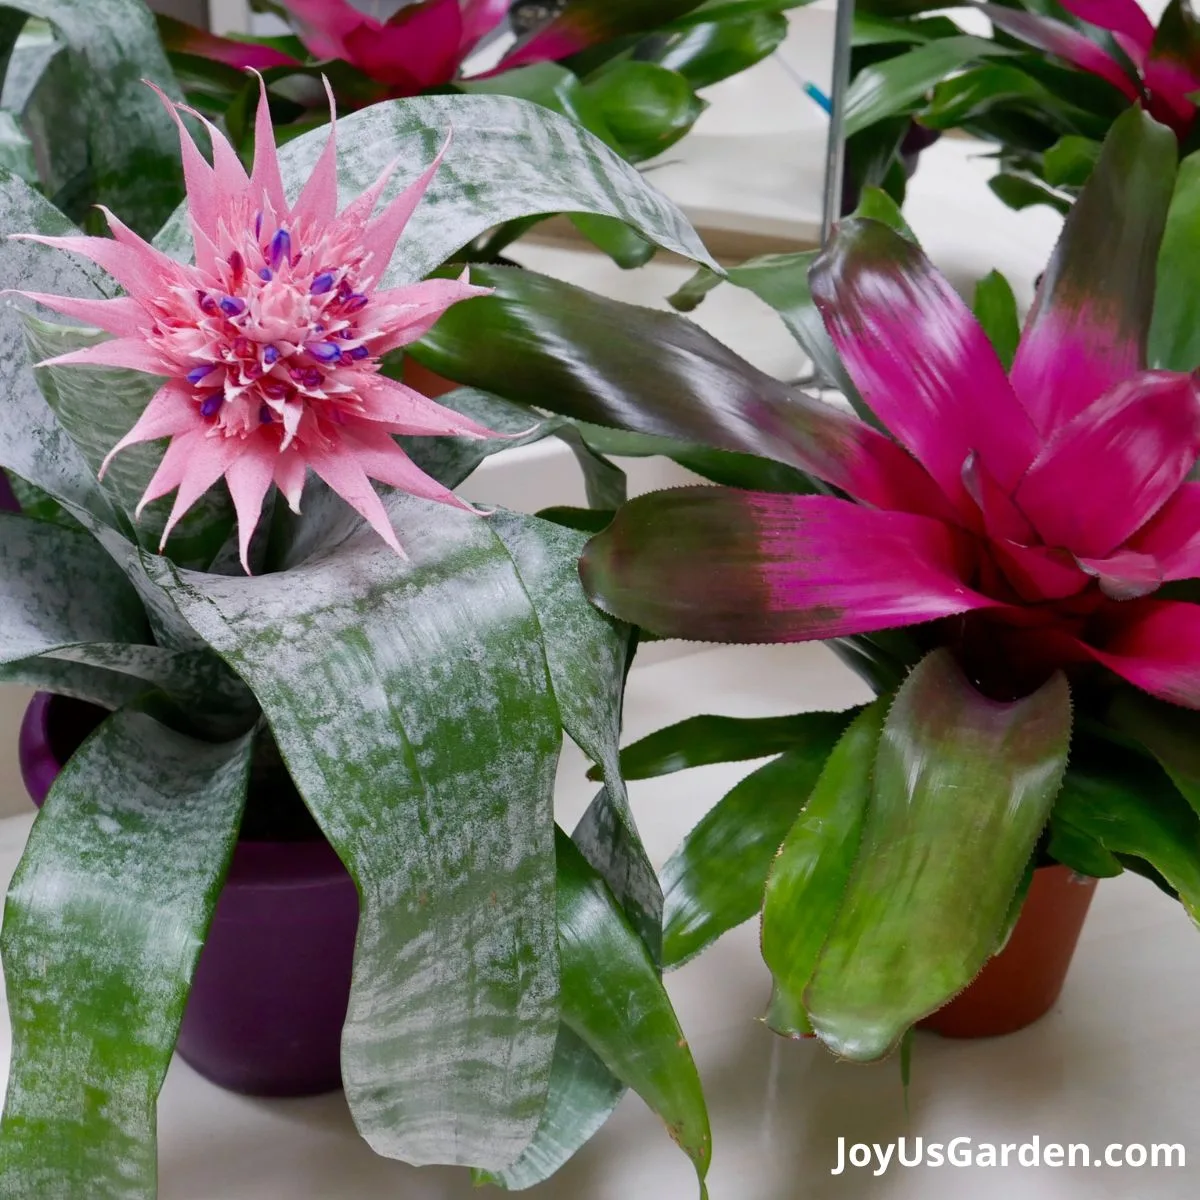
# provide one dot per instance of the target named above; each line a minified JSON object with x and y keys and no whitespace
{"x":266,"y":274}
{"x":321,"y":283}
{"x":324,"y":351}
{"x":211,"y":404}
{"x":280,"y":249}
{"x":270,"y":355}
{"x":196,"y":374}
{"x":231,"y":306}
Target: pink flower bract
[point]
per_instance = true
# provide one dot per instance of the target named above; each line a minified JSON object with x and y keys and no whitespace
{"x":270,"y":344}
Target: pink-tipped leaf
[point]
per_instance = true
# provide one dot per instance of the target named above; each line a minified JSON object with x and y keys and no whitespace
{"x":1089,"y":324}
{"x":727,"y":566}
{"x":1107,"y":472}
{"x":919,"y":358}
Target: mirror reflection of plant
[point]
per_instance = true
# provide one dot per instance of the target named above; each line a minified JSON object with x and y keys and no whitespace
{"x":629,"y":72}
{"x":1044,"y":89}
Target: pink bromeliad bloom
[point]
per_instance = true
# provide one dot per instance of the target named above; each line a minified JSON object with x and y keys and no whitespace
{"x":1165,"y":69}
{"x":1029,"y":519}
{"x":270,"y":344}
{"x":419,"y":46}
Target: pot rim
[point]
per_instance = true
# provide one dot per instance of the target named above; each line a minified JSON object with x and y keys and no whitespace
{"x":257,"y":865}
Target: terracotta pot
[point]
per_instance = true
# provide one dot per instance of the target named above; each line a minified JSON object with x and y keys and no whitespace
{"x":1021,"y":984}
{"x":269,"y":997}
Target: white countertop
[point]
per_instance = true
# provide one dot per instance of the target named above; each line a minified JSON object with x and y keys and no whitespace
{"x":1117,"y":1061}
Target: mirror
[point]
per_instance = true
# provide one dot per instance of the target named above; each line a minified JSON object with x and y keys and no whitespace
{"x":756,"y":171}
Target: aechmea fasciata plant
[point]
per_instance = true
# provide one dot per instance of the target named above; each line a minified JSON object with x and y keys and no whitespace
{"x":408,"y":708}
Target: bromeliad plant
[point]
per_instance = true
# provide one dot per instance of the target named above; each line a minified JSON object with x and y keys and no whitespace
{"x":1025,"y":526}
{"x":1003,"y":543}
{"x":627,"y":71}
{"x":412,"y":664}
{"x":1044,"y":89}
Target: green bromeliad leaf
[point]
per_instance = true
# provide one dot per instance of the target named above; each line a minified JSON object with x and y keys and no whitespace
{"x":808,"y":877}
{"x":1133,"y":811}
{"x":1167,"y":732}
{"x":781,"y":282}
{"x":1175,"y":329}
{"x":704,"y":740}
{"x":97,"y":406}
{"x":103,"y":926}
{"x":647,"y":106}
{"x":614,"y":1001}
{"x":93,"y":641}
{"x":707,"y":53}
{"x":545,"y":343}
{"x":411,"y":702}
{"x":715,"y":880}
{"x":562,"y":91}
{"x":508,"y":159}
{"x":619,"y":1030}
{"x":899,"y":84}
{"x":132,"y":162}
{"x":963,"y":786}
{"x":583,"y":1094}
{"x":718,"y":466}
{"x":35,"y":445}
{"x":16,"y":150}
{"x":450,"y":460}
{"x":995,"y":309}
{"x":43,"y":606}
{"x":587,"y":655}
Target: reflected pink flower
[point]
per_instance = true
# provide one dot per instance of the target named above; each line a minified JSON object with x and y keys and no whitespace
{"x":420,"y":46}
{"x":270,"y":344}
{"x":1165,"y":73}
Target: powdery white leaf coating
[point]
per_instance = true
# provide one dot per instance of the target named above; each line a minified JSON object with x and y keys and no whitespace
{"x":32,"y":51}
{"x":97,"y":406}
{"x":104,"y":923}
{"x":508,"y":158}
{"x":96,"y":685}
{"x":42,"y":603}
{"x":411,"y":703}
{"x":132,"y":153}
{"x":586,"y":652}
{"x":583,"y":1094}
{"x":34,"y":444}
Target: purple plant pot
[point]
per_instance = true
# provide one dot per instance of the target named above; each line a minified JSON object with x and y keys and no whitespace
{"x":269,"y":998}
{"x":8,"y":501}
